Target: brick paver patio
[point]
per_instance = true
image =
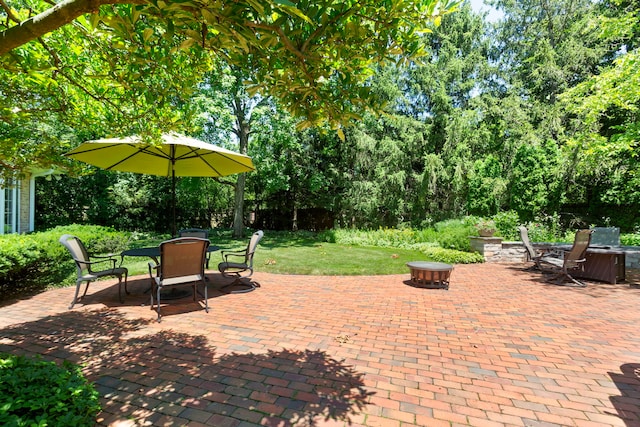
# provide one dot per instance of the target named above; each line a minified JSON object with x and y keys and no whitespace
{"x":500,"y":348}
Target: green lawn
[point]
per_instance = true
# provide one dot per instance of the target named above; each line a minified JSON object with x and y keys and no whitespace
{"x":303,"y":255}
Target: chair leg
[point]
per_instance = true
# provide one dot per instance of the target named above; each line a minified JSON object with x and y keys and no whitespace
{"x":249,"y":286}
{"x":84,"y":294}
{"x":206,"y":296}
{"x":126,"y":276}
{"x":576,"y":281}
{"x":120,"y":289}
{"x":562,"y":277}
{"x":158,"y":289}
{"x":75,"y":296}
{"x":151,"y":291}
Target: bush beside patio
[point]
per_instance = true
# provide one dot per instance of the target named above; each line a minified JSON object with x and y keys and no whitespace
{"x":30,"y":263}
{"x":34,"y":392}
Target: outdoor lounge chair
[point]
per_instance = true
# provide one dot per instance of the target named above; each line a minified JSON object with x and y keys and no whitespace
{"x":86,"y":267}
{"x":181,"y":263}
{"x":196,"y":232}
{"x":533,"y":254}
{"x":243,"y":269}
{"x":572,"y":260}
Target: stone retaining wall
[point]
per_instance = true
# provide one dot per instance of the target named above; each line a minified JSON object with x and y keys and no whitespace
{"x":495,"y":250}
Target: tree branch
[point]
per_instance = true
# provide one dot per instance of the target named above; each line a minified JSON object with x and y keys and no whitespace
{"x":10,"y":14}
{"x":283,"y":38}
{"x":51,"y":19}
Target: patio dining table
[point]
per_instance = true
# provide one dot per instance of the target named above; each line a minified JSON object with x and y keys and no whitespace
{"x":153,"y":252}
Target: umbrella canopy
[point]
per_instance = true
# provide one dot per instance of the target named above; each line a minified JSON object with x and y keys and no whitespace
{"x":178,"y":155}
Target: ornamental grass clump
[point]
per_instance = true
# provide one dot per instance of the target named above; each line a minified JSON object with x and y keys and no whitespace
{"x":34,"y":392}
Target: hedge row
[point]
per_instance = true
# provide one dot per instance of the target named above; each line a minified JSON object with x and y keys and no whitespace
{"x":33,"y":262}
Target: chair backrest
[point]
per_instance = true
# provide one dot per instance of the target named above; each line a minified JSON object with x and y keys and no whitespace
{"x":579,"y":248}
{"x":251,"y":247}
{"x":524,"y":236}
{"x":183,"y":256}
{"x":605,"y":236}
{"x":194,"y":232}
{"x":78,"y":252}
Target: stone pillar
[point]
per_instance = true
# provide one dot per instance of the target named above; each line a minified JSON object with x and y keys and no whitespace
{"x":489,"y":247}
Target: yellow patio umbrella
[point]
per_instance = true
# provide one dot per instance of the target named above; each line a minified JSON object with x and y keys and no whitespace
{"x":177,"y":155}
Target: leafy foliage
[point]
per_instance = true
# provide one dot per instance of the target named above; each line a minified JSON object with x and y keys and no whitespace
{"x":549,"y":229}
{"x":630,"y":239}
{"x":451,"y":256}
{"x":487,"y":187}
{"x":454,"y":233}
{"x":449,"y":237}
{"x":473,"y":128}
{"x":36,"y":392}
{"x":534,"y":187}
{"x":507,"y":223}
{"x":31,"y":262}
{"x":130,"y":68}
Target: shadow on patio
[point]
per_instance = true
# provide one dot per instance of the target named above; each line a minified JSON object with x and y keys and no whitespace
{"x":175,"y":377}
{"x":628,"y":403}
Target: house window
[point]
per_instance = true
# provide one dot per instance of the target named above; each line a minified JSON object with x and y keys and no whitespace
{"x":9,"y":202}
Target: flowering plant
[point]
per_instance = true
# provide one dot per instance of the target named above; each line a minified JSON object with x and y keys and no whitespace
{"x":486,"y":226}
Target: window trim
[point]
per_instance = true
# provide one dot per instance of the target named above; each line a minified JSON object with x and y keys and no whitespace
{"x":13,"y":192}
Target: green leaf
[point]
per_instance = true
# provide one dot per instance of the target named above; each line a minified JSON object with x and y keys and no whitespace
{"x":146,"y":35}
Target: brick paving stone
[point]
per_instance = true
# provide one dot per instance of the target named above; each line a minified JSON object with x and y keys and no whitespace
{"x":500,"y":347}
{"x":192,"y":414}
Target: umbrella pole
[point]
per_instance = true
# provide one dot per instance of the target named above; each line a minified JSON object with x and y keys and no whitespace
{"x":173,"y":202}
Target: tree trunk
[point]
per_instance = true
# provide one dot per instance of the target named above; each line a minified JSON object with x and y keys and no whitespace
{"x":243,"y":124}
{"x":238,"y":210}
{"x":295,"y":218}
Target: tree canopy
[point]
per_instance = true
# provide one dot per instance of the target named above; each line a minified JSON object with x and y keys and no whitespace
{"x":535,"y":114}
{"x":126,"y":66}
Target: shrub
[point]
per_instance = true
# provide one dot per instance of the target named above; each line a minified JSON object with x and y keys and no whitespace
{"x":451,"y":256}
{"x":630,"y":239}
{"x":507,"y":225}
{"x":382,"y":237}
{"x":454,"y":233}
{"x":548,"y":229}
{"x":34,"y":392}
{"x":450,"y":235}
{"x":35,"y":261}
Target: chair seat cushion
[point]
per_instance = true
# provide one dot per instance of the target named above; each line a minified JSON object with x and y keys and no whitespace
{"x":556,"y":262}
{"x":178,"y":280}
{"x":122,"y":271}
{"x":224,"y":266}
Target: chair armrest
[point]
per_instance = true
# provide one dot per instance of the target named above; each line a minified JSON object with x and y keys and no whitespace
{"x":90,"y":263}
{"x":103,"y":256}
{"x":153,"y":266}
{"x":227,"y":254}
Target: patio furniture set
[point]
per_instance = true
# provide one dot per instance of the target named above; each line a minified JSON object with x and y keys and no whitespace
{"x":592,"y":256}
{"x":183,"y":261}
{"x":179,"y":261}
